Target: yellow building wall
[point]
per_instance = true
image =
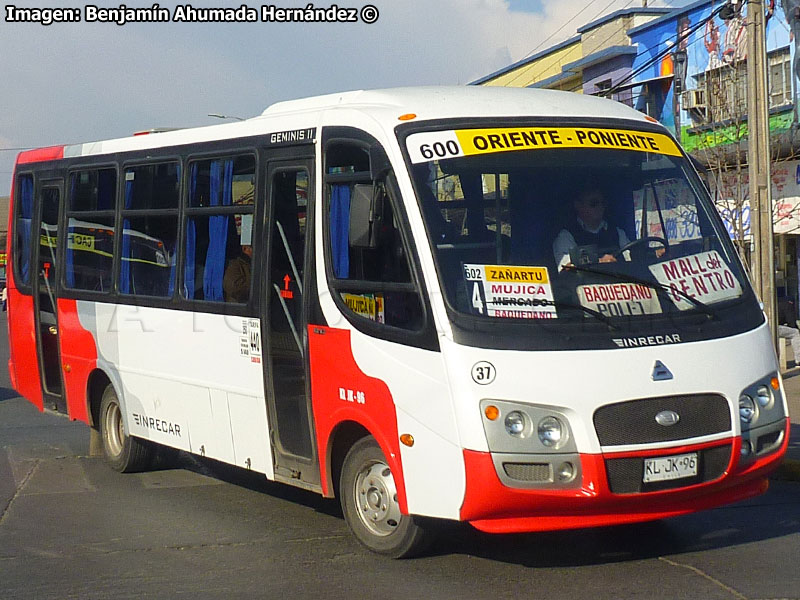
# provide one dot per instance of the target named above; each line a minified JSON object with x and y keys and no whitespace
{"x":542,"y":68}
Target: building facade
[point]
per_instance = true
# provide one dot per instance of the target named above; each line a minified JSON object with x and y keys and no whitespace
{"x":687,"y":68}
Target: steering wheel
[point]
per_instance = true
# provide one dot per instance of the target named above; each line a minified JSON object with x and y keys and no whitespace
{"x":645,"y":240}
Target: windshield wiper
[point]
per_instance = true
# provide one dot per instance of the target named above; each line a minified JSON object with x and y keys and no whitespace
{"x":654,"y":285}
{"x":558,"y":304}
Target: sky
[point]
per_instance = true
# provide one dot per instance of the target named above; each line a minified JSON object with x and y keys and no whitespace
{"x":67,"y":83}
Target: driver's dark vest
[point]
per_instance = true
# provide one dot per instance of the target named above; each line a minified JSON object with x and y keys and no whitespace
{"x":606,"y":239}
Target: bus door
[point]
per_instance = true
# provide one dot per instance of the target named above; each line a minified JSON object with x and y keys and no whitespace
{"x":288,"y":294}
{"x":48,"y":204}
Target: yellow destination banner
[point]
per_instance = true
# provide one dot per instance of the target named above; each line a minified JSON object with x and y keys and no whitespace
{"x":516,"y":274}
{"x":484,"y":141}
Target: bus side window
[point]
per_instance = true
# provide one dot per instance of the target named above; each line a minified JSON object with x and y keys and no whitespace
{"x":24,"y":218}
{"x":149,"y":229}
{"x":91,"y":199}
{"x":218,"y":229}
{"x":367,"y":252}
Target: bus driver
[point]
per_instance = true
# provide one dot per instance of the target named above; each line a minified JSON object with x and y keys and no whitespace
{"x":589,"y":228}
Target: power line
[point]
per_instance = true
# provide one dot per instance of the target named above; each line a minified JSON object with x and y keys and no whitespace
{"x":663,"y":52}
{"x":549,"y":37}
{"x":560,"y":28}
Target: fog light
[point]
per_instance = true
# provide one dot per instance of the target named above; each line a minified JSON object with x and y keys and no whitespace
{"x":747,"y":409}
{"x":566,"y":472}
{"x":763,"y":396}
{"x":515,"y":423}
{"x":551,"y":432}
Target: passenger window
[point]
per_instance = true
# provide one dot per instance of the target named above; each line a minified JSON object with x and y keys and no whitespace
{"x":219,"y":243}
{"x":150,"y":229}
{"x":22,"y":228}
{"x":89,"y":253}
{"x":367,"y":252}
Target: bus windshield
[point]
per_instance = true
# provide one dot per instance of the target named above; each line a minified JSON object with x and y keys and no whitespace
{"x":571,"y":224}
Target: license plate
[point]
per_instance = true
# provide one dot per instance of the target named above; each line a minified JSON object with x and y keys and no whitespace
{"x":670,"y":467}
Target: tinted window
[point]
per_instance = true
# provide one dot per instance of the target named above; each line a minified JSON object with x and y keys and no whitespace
{"x":22,"y":228}
{"x":89,"y":255}
{"x":219,"y":226}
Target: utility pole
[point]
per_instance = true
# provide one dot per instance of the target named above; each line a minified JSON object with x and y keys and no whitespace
{"x":758,"y":160}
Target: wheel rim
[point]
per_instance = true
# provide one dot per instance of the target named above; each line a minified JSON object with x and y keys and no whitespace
{"x":376,"y":499}
{"x":112,"y":427}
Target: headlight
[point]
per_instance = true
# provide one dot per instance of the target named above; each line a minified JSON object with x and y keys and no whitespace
{"x":515,"y":423}
{"x":747,"y":409}
{"x":551,"y":432}
{"x":763,"y":396}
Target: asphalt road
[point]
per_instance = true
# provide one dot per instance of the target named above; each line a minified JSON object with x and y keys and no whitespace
{"x":72,"y":528}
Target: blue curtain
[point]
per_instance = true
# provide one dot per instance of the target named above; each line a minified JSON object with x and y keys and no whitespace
{"x":221,"y":181}
{"x":340,"y":230}
{"x":125,"y":266}
{"x":191,"y":238}
{"x":172,"y":248}
{"x":70,"y":254}
{"x":24,"y":225}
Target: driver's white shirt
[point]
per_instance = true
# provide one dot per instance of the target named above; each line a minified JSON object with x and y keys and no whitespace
{"x":565,"y":241}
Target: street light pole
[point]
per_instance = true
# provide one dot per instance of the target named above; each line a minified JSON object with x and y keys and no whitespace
{"x":758,"y":159}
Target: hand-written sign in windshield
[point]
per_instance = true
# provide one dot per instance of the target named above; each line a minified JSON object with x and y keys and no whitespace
{"x":510,"y":292}
{"x":619,"y":299}
{"x":435,"y":145}
{"x":704,"y":276}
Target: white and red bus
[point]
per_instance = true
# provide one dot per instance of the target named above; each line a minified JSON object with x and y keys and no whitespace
{"x":396,"y":298}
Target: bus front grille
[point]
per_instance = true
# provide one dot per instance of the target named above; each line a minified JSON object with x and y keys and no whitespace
{"x":539,"y":472}
{"x":634,"y":421}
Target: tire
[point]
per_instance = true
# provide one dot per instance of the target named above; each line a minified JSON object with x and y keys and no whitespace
{"x":122,"y":452}
{"x":368,"y":497}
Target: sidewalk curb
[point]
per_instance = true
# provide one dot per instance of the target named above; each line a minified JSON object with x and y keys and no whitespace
{"x":789,"y":470}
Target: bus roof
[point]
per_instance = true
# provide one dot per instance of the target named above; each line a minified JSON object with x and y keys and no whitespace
{"x":384,"y":106}
{"x":435,"y":102}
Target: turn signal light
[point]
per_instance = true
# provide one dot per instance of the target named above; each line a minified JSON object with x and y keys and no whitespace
{"x":407,"y":117}
{"x":774,"y":383}
{"x":491,"y":412}
{"x":407,"y":439}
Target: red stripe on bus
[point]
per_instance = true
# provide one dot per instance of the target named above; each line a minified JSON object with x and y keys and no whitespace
{"x":24,"y":362}
{"x":78,"y":358}
{"x":40,"y":155}
{"x":338,"y":387}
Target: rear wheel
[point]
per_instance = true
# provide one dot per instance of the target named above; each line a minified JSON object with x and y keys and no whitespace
{"x":122,"y":452}
{"x":369,"y":502}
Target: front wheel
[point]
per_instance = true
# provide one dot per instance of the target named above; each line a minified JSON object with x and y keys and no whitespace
{"x":369,"y":502}
{"x":122,"y":452}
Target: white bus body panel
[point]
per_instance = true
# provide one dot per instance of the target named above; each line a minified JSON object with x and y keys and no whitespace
{"x":579,"y":382}
{"x":183,"y":380}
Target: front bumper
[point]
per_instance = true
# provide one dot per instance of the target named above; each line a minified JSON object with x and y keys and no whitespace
{"x":492,"y":506}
